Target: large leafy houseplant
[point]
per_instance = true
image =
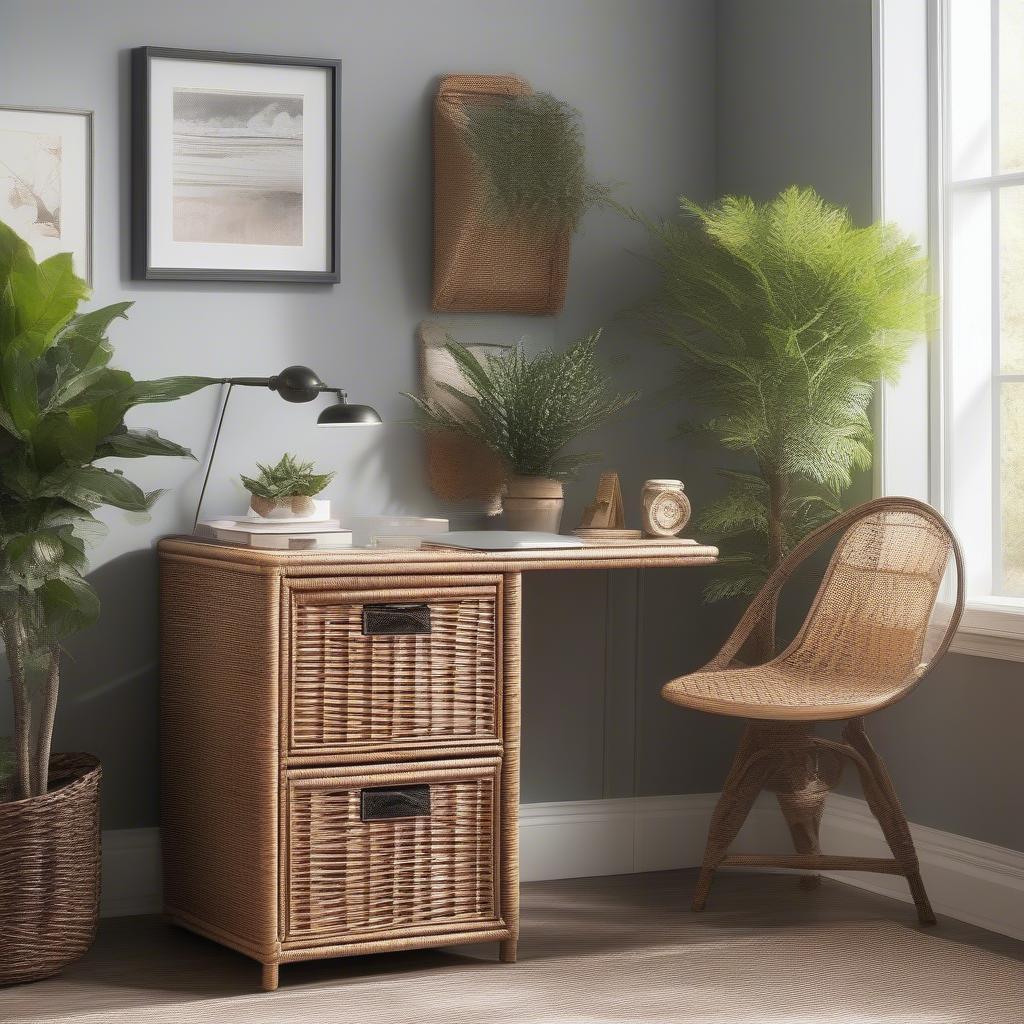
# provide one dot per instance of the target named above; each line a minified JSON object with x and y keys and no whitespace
{"x":527,"y":409}
{"x":784,"y":316}
{"x":62,"y":409}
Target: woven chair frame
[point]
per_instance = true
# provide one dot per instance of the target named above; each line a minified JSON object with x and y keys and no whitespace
{"x":778,"y":749}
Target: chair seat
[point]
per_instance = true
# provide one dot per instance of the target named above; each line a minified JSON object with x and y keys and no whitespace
{"x":783,"y":691}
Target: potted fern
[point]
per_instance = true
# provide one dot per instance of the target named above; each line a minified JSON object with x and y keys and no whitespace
{"x":287,"y":489}
{"x":528,"y":410}
{"x":62,"y":409}
{"x":784,"y":316}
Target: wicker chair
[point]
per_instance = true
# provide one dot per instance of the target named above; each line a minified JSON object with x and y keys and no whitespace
{"x":862,"y":647}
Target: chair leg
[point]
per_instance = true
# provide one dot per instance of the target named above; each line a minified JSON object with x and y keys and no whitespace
{"x":885,"y":805}
{"x":750,"y":770}
{"x":802,"y":810}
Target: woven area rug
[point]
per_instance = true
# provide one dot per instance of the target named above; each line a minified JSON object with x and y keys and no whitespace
{"x":861,"y":973}
{"x":608,"y":951}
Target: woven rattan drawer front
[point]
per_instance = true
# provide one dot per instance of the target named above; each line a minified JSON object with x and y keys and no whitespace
{"x":352,"y":879}
{"x":358,"y":687}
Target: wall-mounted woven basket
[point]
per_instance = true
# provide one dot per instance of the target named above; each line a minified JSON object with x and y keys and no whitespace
{"x":460,"y":470}
{"x":480,"y":266}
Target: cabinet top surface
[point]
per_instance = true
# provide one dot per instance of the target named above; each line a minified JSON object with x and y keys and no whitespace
{"x":634,"y":555}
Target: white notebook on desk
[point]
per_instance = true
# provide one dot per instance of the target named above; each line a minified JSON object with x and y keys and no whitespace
{"x":503,"y":540}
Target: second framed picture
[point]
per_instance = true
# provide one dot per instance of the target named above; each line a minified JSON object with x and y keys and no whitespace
{"x":235,"y":166}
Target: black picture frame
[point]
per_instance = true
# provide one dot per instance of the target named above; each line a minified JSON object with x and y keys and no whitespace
{"x":141,"y":61}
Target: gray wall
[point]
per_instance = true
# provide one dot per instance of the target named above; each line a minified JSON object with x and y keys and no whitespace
{"x":748,"y":96}
{"x":643,"y":75}
{"x":793,"y":98}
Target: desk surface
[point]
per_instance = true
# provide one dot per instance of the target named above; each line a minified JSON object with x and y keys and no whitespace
{"x":346,"y":561}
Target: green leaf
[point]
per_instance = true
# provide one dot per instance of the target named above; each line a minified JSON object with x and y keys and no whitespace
{"x":70,"y":604}
{"x":85,"y":335}
{"x":134,"y":444}
{"x":167,"y":389}
{"x":32,"y":558}
{"x":18,"y":387}
{"x":45,"y":296}
{"x":89,"y":487}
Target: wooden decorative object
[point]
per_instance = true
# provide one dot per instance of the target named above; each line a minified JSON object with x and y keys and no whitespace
{"x":340,"y":744}
{"x":604,"y":518}
{"x":606,"y":511}
{"x":480,"y":266}
{"x":867,"y":642}
{"x":459,"y":469}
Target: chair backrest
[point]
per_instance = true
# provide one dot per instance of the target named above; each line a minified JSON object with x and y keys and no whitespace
{"x":872,"y":613}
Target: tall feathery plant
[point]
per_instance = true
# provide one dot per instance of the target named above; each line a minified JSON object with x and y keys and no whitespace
{"x":784,"y":316}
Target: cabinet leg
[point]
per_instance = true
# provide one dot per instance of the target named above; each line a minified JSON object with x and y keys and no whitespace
{"x":270,"y":977}
{"x":507,"y":951}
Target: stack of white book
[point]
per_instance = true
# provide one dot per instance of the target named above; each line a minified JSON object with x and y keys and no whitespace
{"x":252,"y":531}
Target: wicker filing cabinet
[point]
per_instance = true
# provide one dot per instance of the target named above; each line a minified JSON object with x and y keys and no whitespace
{"x":340,"y":745}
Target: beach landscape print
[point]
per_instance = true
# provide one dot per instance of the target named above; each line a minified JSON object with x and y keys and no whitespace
{"x":237,"y":168}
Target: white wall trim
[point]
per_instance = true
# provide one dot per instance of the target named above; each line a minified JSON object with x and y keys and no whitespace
{"x":966,"y":879}
{"x":991,"y":630}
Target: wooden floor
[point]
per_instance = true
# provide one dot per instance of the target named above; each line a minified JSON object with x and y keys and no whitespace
{"x":606,"y":949}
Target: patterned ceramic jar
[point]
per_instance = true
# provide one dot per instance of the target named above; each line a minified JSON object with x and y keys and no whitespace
{"x":666,"y":510}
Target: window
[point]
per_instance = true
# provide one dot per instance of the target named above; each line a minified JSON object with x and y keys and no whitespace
{"x":949,"y":99}
{"x":983,"y":206}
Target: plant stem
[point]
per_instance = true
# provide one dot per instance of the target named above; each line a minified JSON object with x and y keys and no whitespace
{"x":763,"y":636}
{"x":47,"y":716}
{"x":22,"y":712}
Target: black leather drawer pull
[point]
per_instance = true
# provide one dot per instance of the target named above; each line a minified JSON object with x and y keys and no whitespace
{"x":395,"y":619}
{"x":388,"y":802}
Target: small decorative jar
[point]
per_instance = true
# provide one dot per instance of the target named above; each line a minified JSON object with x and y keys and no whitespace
{"x":666,"y":510}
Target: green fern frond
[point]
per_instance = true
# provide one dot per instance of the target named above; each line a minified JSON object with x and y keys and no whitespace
{"x":531,"y":153}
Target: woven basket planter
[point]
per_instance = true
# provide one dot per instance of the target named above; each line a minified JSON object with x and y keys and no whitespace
{"x":50,"y":872}
{"x":480,"y":266}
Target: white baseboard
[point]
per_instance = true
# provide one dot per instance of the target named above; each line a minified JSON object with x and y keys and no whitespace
{"x":966,"y":879}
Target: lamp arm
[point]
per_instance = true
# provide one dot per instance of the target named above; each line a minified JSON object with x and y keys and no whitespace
{"x":247,"y":382}
{"x":269,"y":382}
{"x":216,"y":437}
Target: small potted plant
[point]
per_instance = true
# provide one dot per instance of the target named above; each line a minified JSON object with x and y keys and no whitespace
{"x":62,"y":410}
{"x":287,"y":490}
{"x":528,"y":410}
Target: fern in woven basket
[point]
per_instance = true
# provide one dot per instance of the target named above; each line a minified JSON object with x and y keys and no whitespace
{"x":527,"y":409}
{"x":531,"y":153}
{"x":784,"y":316}
{"x":62,"y":409}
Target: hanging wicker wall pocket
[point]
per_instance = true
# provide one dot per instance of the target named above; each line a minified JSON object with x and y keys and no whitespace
{"x":481,"y":265}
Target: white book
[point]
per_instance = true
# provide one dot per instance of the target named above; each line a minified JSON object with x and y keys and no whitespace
{"x":246,"y":525}
{"x":323,"y":539}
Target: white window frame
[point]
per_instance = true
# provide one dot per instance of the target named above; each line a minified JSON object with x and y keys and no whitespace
{"x":916,"y":417}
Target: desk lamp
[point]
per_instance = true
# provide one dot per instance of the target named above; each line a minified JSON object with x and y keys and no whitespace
{"x":293,"y":384}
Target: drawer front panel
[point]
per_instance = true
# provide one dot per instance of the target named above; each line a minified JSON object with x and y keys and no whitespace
{"x":394,"y":670}
{"x":429,"y":865}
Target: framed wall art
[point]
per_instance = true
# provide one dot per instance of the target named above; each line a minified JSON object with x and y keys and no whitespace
{"x":46,"y":180}
{"x":235,"y":166}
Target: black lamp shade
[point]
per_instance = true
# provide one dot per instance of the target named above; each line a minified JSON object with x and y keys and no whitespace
{"x":341,"y":414}
{"x":297,"y":384}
